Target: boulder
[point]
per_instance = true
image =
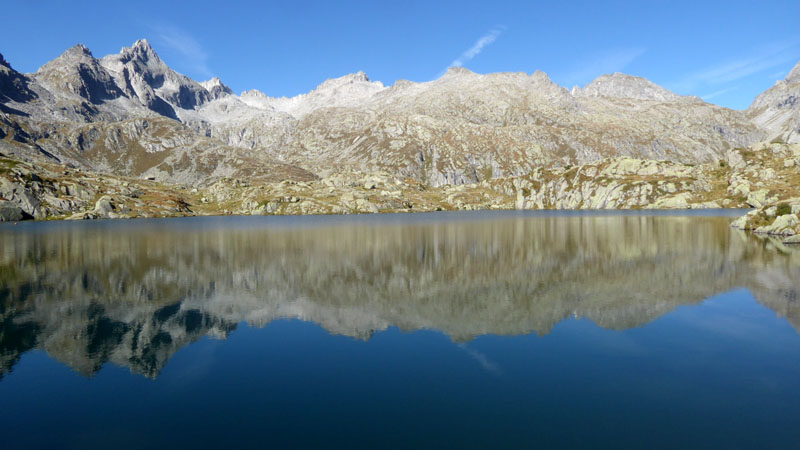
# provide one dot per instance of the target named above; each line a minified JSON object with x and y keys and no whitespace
{"x":104,"y":207}
{"x":758,"y":198}
{"x":10,"y":212}
{"x":782,"y":225}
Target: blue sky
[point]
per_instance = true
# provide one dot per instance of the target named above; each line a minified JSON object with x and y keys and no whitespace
{"x":726,"y":52}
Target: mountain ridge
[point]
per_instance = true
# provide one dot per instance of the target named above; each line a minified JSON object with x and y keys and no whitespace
{"x":130,"y":115}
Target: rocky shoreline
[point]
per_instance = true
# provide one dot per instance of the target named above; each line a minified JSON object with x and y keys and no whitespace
{"x":764,"y":176}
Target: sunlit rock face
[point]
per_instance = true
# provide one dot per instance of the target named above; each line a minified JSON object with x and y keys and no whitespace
{"x":135,"y":294}
{"x":459,"y":129}
{"x":778,"y":109}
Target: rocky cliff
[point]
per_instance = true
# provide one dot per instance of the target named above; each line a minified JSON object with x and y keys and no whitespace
{"x":777,"y":110}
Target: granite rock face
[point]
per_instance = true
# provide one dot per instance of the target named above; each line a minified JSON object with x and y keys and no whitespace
{"x":77,"y":72}
{"x":462,"y":128}
{"x":511,"y":139}
{"x":778,"y":109}
{"x":13,"y":85}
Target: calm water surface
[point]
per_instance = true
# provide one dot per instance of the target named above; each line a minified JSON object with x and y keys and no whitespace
{"x":447,"y":330}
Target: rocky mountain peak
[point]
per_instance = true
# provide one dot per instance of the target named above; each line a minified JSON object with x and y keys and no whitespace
{"x":358,"y":78}
{"x":142,"y":52}
{"x":74,"y":55}
{"x":143,"y":75}
{"x":255,"y":93}
{"x":216,"y":88}
{"x":3,"y":62}
{"x":77,"y":72}
{"x":542,"y":77}
{"x":78,"y":50}
{"x":620,"y":85}
{"x":457,"y":71}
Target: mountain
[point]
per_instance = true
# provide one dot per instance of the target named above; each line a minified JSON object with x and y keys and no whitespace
{"x":141,"y":73}
{"x":131,"y":114}
{"x":127,"y":125}
{"x":77,"y":72}
{"x":619,"y":85}
{"x":778,"y":109}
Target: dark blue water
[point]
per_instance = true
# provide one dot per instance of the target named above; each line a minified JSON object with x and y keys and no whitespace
{"x":487,"y":331}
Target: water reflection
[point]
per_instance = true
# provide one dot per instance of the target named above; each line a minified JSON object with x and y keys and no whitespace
{"x":135,"y":294}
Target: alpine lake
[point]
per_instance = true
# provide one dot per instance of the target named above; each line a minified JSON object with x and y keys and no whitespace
{"x":440,"y":330}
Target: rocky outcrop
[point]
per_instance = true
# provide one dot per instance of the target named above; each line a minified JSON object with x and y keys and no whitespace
{"x":13,"y":85}
{"x":778,"y":219}
{"x":768,"y":178}
{"x":778,"y":109}
{"x":752,"y":177}
{"x":39,"y":191}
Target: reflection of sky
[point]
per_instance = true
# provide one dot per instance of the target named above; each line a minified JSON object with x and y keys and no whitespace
{"x":722,"y":372}
{"x":554,"y":329}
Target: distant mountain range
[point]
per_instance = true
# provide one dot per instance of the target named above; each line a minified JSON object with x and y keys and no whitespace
{"x":130,"y":114}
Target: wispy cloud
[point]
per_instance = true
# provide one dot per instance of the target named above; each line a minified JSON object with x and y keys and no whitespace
{"x":614,"y":60}
{"x":184,"y":45}
{"x":478,"y":47}
{"x":760,"y":59}
{"x":485,"y":362}
{"x":717,"y":93}
{"x":779,"y":75}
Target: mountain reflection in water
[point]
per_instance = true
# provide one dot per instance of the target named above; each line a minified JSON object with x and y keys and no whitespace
{"x":134,"y":293}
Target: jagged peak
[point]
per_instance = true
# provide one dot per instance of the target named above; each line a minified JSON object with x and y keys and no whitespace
{"x":74,"y":55}
{"x":3,"y":62}
{"x":213,"y":82}
{"x":358,"y":76}
{"x":78,"y":50}
{"x":620,"y":85}
{"x":254,"y":93}
{"x":458,"y":70}
{"x":542,"y":76}
{"x":143,"y":44}
{"x":351,"y":78}
{"x":216,"y":87}
{"x":402,"y":83}
{"x":140,"y":50}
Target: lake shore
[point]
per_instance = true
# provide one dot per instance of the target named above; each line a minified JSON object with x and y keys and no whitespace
{"x":763,"y":177}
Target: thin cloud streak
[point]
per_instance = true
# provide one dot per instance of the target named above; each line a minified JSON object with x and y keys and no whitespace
{"x":779,"y":75}
{"x":762,"y":59}
{"x":484,"y":362}
{"x":604,"y":63}
{"x":476,"y":49}
{"x":710,"y":96}
{"x":184,"y":44}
